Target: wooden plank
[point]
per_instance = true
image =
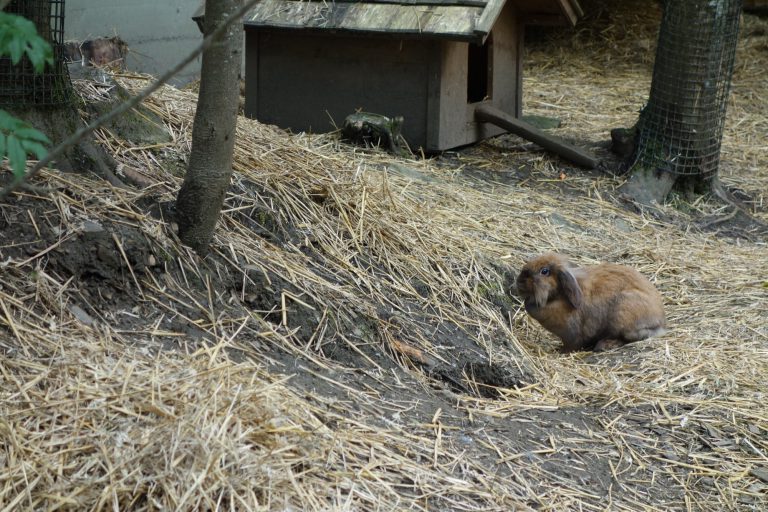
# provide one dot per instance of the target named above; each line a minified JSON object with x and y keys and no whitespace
{"x":251,"y":108}
{"x":434,"y":81}
{"x":454,"y":121}
{"x":489,"y":16}
{"x":489,"y":114}
{"x":520,"y":43}
{"x":432,"y":21}
{"x":465,"y":3}
{"x":506,"y":62}
{"x":464,"y":19}
{"x":577,"y":8}
{"x":571,"y":10}
{"x":456,"y":21}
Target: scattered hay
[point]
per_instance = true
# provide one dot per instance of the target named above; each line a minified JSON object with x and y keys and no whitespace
{"x":304,"y":365}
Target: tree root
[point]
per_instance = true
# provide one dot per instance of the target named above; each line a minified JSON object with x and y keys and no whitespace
{"x":738,"y":208}
{"x":646,"y":186}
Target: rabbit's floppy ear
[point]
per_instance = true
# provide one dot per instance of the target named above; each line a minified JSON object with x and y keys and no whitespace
{"x":570,"y":287}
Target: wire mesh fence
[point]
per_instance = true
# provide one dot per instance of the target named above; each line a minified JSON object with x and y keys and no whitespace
{"x":681,"y":128}
{"x":19,"y":84}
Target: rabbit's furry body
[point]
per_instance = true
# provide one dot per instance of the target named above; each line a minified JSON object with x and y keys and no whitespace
{"x":595,"y":307}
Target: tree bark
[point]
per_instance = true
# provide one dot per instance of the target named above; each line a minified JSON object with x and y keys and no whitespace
{"x":20,"y":85}
{"x":680,"y":130}
{"x":46,"y":100}
{"x":213,"y":135}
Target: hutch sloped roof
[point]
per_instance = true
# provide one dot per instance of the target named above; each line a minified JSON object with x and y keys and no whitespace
{"x":463,"y":20}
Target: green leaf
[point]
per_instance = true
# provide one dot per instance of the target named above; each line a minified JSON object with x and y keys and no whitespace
{"x":16,"y":49}
{"x":5,"y":120}
{"x":33,"y":134}
{"x":20,"y":138}
{"x":35,"y":148}
{"x":19,"y":36}
{"x":16,"y":155}
{"x":39,"y":52}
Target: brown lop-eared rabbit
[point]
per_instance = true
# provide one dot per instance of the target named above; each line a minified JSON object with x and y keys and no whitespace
{"x":597,"y":307}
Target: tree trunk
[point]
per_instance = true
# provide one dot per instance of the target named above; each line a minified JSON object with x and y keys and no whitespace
{"x":20,"y":85}
{"x":680,"y":130}
{"x":213,"y":134}
{"x":46,"y":100}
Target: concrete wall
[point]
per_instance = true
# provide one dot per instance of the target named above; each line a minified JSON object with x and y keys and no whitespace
{"x":159,"y":32}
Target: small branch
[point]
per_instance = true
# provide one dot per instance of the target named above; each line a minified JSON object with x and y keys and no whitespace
{"x":727,"y":197}
{"x":125,"y":106}
{"x":738,"y":207}
{"x":34,"y":189}
{"x":718,"y":220}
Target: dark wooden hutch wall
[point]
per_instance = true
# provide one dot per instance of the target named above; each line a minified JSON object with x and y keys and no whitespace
{"x":309,"y":64}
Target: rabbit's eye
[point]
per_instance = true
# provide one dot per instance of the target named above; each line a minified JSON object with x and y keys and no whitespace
{"x":544,"y":271}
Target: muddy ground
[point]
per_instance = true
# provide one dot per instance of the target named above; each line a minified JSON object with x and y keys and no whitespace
{"x":117,"y":260}
{"x":106,"y":290}
{"x":105,"y":258}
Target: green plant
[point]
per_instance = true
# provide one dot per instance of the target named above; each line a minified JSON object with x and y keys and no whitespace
{"x":18,"y":37}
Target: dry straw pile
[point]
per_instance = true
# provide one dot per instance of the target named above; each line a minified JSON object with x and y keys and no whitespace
{"x":290,"y":370}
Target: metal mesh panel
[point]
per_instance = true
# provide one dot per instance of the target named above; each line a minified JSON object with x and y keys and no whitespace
{"x":19,"y":84}
{"x":682,"y":125}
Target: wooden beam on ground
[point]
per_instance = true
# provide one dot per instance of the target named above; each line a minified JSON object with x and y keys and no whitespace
{"x":489,"y":114}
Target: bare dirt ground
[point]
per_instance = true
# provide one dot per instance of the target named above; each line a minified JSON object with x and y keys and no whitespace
{"x":350,"y":342}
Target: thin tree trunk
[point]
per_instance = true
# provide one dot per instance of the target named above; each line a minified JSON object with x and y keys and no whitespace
{"x":213,"y":135}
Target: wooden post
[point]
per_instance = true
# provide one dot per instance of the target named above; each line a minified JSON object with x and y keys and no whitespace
{"x":489,"y":114}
